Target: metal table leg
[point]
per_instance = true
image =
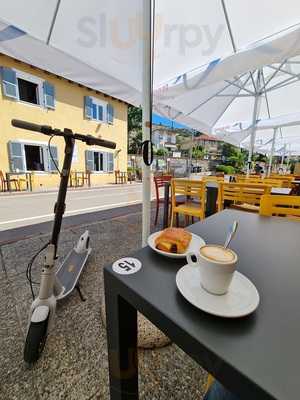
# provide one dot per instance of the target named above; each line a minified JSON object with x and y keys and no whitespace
{"x":121,"y":326}
{"x":166,"y":205}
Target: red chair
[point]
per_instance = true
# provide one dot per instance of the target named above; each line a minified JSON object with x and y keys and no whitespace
{"x":159,"y":182}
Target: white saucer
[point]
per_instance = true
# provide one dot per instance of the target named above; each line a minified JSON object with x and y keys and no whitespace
{"x":241,"y":299}
{"x":194,"y":246}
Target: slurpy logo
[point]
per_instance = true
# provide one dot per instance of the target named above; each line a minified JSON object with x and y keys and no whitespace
{"x":101,"y":31}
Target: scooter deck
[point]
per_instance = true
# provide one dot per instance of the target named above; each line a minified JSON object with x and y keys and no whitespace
{"x":70,"y":270}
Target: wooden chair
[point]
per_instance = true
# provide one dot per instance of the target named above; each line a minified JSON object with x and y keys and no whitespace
{"x":195,"y":193}
{"x":4,"y":183}
{"x":159,"y":182}
{"x":244,"y":196}
{"x":120,"y":177}
{"x":273,"y":182}
{"x":212,"y":178}
{"x":281,"y":206}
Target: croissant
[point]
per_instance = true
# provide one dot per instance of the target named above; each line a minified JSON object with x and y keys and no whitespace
{"x":173,"y":240}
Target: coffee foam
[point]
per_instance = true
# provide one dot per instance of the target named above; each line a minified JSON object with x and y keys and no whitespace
{"x":217,"y":254}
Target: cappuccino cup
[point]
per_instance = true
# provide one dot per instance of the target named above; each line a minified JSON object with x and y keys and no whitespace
{"x":216,"y":265}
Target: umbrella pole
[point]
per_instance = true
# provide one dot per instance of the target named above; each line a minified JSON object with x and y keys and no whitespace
{"x":282,"y":157}
{"x":146,"y":105}
{"x":272,"y":152}
{"x":256,"y":108}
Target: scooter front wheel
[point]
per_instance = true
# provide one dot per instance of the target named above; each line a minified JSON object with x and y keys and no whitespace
{"x":35,"y":341}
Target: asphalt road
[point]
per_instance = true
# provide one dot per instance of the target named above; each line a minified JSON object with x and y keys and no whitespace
{"x":26,"y":209}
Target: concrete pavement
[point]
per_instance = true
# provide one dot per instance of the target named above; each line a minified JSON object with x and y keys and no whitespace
{"x":31,"y":208}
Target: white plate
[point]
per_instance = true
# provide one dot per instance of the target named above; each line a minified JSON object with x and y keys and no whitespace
{"x":194,"y":246}
{"x":241,"y":299}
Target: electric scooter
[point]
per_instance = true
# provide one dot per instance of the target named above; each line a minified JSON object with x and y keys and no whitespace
{"x":55,"y":283}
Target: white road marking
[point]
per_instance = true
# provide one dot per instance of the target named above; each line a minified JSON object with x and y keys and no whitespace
{"x":103,"y":207}
{"x":70,"y":192}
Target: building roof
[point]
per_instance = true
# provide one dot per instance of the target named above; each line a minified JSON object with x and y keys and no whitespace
{"x":207,"y":138}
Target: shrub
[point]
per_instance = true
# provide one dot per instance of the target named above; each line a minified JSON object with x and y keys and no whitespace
{"x":227,"y":169}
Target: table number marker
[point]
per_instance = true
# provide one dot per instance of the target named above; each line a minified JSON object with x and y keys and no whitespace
{"x":127,"y":266}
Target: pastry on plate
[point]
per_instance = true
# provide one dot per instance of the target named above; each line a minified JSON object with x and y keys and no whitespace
{"x":173,"y":240}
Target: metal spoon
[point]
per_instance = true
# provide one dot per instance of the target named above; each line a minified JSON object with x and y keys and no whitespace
{"x":231,"y":234}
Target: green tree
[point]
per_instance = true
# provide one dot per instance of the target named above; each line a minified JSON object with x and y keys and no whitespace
{"x":135,"y":134}
{"x":162,"y":152}
{"x":228,"y":150}
{"x":237,"y":160}
{"x":198,"y":152}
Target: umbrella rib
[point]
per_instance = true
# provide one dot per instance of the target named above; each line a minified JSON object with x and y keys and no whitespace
{"x":53,"y":21}
{"x":266,"y":96}
{"x":223,"y":112}
{"x":286,"y":82}
{"x":282,"y":70}
{"x":228,"y":25}
{"x":274,"y":74}
{"x":241,"y":87}
{"x":214,"y":95}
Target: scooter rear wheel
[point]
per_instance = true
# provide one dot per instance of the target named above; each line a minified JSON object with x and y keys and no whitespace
{"x":35,"y":341}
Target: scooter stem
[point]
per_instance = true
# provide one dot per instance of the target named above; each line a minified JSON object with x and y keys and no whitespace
{"x":60,"y":205}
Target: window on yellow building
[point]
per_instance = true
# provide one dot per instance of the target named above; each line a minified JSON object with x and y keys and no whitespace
{"x":99,"y":161}
{"x":98,"y":110}
{"x":27,"y":156}
{"x":27,"y":88}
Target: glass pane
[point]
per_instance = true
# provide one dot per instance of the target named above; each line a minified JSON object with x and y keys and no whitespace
{"x":16,"y":149}
{"x":100,"y":113}
{"x":17,"y":164}
{"x":10,"y":89}
{"x":28,"y":91}
{"x":96,"y":162}
{"x":94,"y":109}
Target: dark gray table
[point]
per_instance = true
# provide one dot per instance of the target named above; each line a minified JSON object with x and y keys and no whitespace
{"x":256,"y":357}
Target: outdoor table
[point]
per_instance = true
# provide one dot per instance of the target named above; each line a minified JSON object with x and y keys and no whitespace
{"x":28,"y":177}
{"x":256,"y":357}
{"x":281,"y":191}
{"x":211,"y":201}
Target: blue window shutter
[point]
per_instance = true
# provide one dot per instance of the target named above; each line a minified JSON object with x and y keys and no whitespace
{"x":9,"y":83}
{"x":88,"y":107}
{"x":105,"y":163}
{"x":89,"y":160}
{"x":100,"y":113}
{"x":16,"y":158}
{"x":54,"y":154}
{"x":110,"y":162}
{"x":110,"y":114}
{"x":94,"y":111}
{"x":49,"y":95}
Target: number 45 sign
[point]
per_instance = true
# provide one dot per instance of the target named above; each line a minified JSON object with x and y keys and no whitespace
{"x":127,"y":266}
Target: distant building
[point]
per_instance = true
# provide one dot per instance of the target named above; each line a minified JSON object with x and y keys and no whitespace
{"x":164,"y":137}
{"x":211,"y":144}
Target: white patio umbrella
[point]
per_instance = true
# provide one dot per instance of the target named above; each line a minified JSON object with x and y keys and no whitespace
{"x":272,"y":133}
{"x":100,"y":45}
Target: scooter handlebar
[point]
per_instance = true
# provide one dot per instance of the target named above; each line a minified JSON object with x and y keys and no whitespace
{"x":93,"y":141}
{"x":48,"y":130}
{"x":29,"y":126}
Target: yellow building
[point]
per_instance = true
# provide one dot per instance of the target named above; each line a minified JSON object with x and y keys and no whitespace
{"x":30,"y":94}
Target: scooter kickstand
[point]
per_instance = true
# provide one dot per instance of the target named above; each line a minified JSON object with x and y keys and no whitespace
{"x":82,"y":298}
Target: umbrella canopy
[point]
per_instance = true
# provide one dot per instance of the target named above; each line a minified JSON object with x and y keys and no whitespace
{"x":238,"y":134}
{"x":99,"y":43}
